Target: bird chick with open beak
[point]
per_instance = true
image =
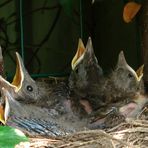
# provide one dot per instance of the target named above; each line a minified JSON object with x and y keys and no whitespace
{"x":23,"y":87}
{"x":85,"y":74}
{"x":85,"y":69}
{"x":78,"y":96}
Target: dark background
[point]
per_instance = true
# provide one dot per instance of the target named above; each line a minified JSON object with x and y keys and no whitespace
{"x":51,"y":29}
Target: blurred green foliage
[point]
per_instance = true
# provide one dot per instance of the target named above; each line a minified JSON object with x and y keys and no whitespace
{"x":9,"y":137}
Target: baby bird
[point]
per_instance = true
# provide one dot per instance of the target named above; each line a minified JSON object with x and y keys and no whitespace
{"x":78,"y":96}
{"x":23,"y":87}
{"x":122,"y":83}
{"x":35,"y":120}
{"x":85,"y":70}
{"x":85,"y":74}
{"x":123,"y":90}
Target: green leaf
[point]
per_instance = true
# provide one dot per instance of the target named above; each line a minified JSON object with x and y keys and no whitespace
{"x":67,"y":5}
{"x":9,"y":137}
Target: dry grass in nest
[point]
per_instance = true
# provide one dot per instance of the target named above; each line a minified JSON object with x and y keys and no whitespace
{"x":133,"y":134}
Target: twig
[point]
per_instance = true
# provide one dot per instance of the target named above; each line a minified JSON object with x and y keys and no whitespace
{"x":136,"y":123}
{"x":100,"y":133}
{"x":142,"y":112}
{"x":131,"y":130}
{"x":78,"y":144}
{"x":116,"y":127}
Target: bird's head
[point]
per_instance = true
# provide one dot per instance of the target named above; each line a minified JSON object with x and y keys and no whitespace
{"x":23,"y":87}
{"x":85,"y":68}
{"x":125,"y":77}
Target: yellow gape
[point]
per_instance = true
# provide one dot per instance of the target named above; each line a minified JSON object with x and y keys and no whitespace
{"x":18,"y":75}
{"x":4,"y":107}
{"x":79,"y":54}
{"x":2,"y":118}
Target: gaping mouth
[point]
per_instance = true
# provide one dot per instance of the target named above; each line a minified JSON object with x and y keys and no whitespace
{"x":19,"y":76}
{"x":18,"y":79}
{"x":79,"y":55}
{"x":4,"y":107}
{"x":2,"y":112}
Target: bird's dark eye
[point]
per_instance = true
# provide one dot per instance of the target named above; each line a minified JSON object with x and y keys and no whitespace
{"x":29,"y":88}
{"x":130,"y":75}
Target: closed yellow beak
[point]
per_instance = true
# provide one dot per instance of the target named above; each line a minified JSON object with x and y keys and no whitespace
{"x":139,"y":72}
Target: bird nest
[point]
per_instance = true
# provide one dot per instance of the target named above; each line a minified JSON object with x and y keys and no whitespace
{"x":130,"y":134}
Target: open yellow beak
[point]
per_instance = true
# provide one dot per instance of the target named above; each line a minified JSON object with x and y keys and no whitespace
{"x":18,"y":78}
{"x":16,"y":84}
{"x":4,"y":107}
{"x":2,"y":112}
{"x":79,"y":55}
{"x":130,"y":10}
